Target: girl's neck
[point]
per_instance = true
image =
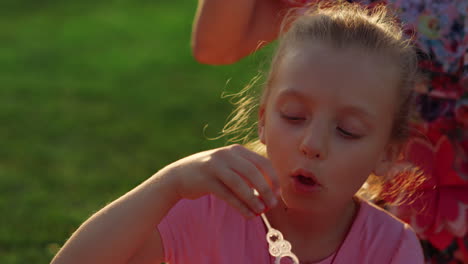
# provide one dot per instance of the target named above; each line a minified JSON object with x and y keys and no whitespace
{"x":304,"y":229}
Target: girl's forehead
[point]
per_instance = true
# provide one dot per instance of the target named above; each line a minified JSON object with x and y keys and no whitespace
{"x":351,"y":67}
{"x":318,"y":73}
{"x":310,"y":53}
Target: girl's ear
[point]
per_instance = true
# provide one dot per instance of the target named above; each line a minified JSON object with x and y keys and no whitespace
{"x":261,"y":124}
{"x":387,"y":159}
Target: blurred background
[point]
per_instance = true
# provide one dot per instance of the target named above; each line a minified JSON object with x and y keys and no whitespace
{"x":95,"y":97}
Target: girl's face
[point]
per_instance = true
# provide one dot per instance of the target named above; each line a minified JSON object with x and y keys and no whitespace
{"x":326,"y":123}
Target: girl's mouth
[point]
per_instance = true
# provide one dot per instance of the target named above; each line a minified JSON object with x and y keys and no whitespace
{"x":306,"y":177}
{"x":306,"y":180}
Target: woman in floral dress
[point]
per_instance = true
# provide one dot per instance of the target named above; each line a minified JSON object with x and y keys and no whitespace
{"x":226,"y":31}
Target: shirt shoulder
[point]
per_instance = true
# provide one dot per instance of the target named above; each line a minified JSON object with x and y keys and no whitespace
{"x":182,"y":225}
{"x":377,"y":236}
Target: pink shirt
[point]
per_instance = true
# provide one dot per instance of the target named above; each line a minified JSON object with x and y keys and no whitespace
{"x":208,"y":230}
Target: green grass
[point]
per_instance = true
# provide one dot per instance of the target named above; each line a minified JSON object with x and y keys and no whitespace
{"x":95,"y":97}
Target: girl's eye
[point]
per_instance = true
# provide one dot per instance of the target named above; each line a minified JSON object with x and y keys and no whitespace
{"x":348,"y":134}
{"x":292,"y":118}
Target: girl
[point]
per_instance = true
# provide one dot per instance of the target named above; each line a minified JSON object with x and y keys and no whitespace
{"x":226,"y":31}
{"x":322,"y":137}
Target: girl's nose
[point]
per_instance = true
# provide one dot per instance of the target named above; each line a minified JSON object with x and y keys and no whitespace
{"x":312,"y":154}
{"x":314,"y":145}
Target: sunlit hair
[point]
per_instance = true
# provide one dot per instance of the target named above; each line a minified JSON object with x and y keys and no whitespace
{"x":340,"y":25}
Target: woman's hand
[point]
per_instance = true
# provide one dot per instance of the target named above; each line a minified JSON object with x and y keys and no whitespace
{"x":225,"y":31}
{"x":230,"y":173}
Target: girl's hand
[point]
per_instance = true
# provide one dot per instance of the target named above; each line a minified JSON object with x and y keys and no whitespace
{"x":230,"y":173}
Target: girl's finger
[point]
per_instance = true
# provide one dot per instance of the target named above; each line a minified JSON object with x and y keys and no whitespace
{"x":251,"y":173}
{"x":241,"y":189}
{"x":260,"y":173}
{"x":264,"y":165}
{"x":223,"y":192}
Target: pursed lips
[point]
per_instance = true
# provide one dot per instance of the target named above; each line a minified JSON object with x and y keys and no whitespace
{"x":306,"y":173}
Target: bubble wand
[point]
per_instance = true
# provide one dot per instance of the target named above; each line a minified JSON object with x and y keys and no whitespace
{"x":277,"y":245}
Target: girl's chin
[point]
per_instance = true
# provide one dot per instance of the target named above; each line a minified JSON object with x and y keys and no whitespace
{"x":291,"y":201}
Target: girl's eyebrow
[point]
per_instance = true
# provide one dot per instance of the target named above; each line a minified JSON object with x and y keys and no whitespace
{"x":355,"y":110}
{"x":291,"y":93}
{"x":367,"y":116}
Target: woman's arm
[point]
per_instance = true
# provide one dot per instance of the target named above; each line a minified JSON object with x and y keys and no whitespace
{"x":122,"y":229}
{"x":224,"y":31}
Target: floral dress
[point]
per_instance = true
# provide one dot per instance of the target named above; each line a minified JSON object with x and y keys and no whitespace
{"x":440,"y":214}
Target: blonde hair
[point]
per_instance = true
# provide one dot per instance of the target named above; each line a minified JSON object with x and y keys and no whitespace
{"x":339,"y":25}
